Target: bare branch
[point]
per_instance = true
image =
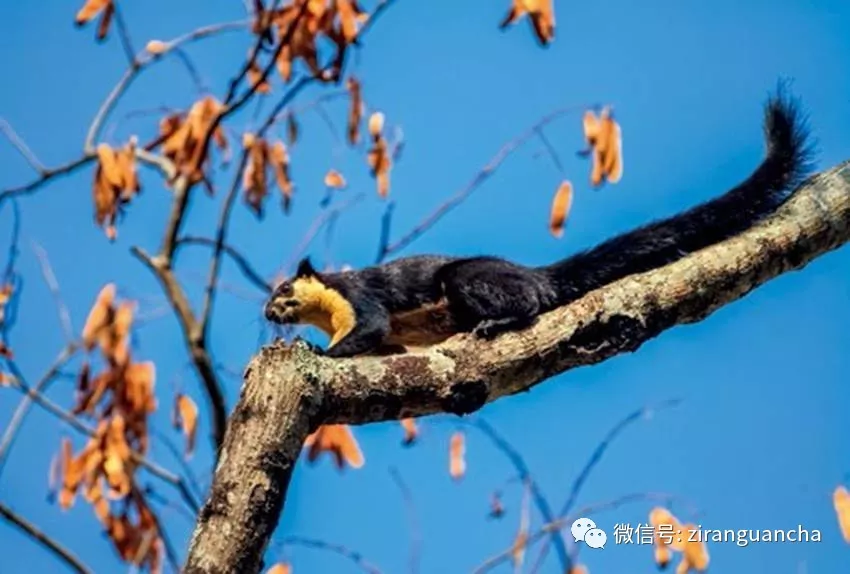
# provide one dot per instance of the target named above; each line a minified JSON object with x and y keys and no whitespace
{"x":26,"y":402}
{"x":321,"y":220}
{"x":644,"y":412}
{"x":46,"y":176}
{"x":108,"y":104}
{"x":559,"y":524}
{"x":193,"y":337}
{"x":355,"y":557}
{"x":46,"y":541}
{"x":289,"y":390}
{"x":124,"y":34}
{"x":525,"y":476}
{"x":241,"y":261}
{"x":21,"y":146}
{"x":460,"y":196}
{"x":53,"y":285}
{"x":412,"y":518}
{"x":227,"y":208}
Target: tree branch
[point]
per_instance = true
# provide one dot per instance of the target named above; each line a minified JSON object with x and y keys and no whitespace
{"x":289,"y":391}
{"x":33,"y":532}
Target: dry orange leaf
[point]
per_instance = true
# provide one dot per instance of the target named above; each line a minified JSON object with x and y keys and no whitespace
{"x":841,"y":502}
{"x":255,"y":78}
{"x":186,"y":418}
{"x":185,"y":137}
{"x":280,"y":164}
{"x":92,"y":8}
{"x":156,"y":47}
{"x":99,"y":317}
{"x":339,"y":441}
{"x":255,"y":178}
{"x":351,"y":17}
{"x":579,"y":569}
{"x":334,"y":179}
{"x":376,"y":124}
{"x":355,"y":111}
{"x":379,"y":163}
{"x":521,"y":540}
{"x":457,"y":454}
{"x":411,"y":433}
{"x":541,"y":14}
{"x":115,"y":183}
{"x":561,"y":205}
{"x":695,"y":552}
{"x":5,"y":380}
{"x":280,"y":568}
{"x":604,"y":136}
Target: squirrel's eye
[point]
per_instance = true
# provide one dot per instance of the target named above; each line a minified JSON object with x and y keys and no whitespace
{"x":290,"y":303}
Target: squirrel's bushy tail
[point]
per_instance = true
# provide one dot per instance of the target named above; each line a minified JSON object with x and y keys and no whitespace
{"x":786,"y":164}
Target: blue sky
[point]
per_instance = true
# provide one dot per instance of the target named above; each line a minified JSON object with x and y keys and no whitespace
{"x":758,"y":441}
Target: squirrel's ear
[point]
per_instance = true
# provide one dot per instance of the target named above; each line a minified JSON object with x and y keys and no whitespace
{"x":305,"y":268}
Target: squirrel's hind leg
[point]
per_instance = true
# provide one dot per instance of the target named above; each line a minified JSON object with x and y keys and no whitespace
{"x":491,"y":297}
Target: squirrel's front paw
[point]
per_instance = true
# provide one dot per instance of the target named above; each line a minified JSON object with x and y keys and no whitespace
{"x":314,"y":348}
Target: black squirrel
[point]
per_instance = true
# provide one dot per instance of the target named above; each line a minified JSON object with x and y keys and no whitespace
{"x":407,"y":301}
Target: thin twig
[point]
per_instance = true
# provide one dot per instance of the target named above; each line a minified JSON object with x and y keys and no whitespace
{"x":526,"y":477}
{"x":137,"y":64}
{"x":482,"y":176}
{"x":181,"y":460}
{"x":595,"y":457}
{"x":413,"y":520}
{"x":124,"y":34}
{"x":108,"y":104}
{"x":46,"y":541}
{"x":240,"y":260}
{"x":21,"y":146}
{"x":53,"y":285}
{"x":315,"y":227}
{"x":355,"y":557}
{"x":227,"y":208}
{"x":553,"y":154}
{"x":192,"y":69}
{"x":26,"y":402}
{"x":564,"y":521}
{"x":46,"y":176}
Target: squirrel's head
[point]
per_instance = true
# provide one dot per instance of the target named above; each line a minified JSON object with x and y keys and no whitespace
{"x":300,"y":299}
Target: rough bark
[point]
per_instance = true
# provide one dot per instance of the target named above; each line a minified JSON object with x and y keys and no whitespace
{"x":288,"y":391}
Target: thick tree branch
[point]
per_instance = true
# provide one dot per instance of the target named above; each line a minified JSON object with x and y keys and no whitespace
{"x":289,"y":391}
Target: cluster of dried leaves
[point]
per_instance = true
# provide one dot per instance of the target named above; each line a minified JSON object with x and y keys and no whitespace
{"x":261,"y":157}
{"x":115,"y":184}
{"x":605,"y":148}
{"x":185,"y":138}
{"x":665,"y":542}
{"x":120,"y":397}
{"x":338,"y":21}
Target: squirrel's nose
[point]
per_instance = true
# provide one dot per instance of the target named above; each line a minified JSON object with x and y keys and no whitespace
{"x":271,"y":310}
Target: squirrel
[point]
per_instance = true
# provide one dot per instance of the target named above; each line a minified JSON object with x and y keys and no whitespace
{"x":422,"y":299}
